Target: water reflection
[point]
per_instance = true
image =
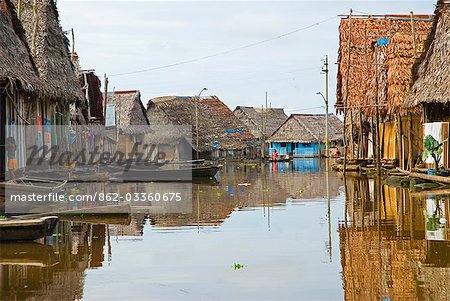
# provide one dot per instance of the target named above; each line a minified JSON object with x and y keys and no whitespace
{"x":394,"y":244}
{"x":53,"y":268}
{"x":259,"y":203}
{"x":289,"y":224}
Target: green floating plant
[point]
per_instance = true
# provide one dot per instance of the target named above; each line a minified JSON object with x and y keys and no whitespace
{"x":238,"y":266}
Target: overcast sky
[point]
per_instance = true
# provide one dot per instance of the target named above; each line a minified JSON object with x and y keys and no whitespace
{"x":125,"y":36}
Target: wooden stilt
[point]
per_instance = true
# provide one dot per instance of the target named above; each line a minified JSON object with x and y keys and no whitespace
{"x":410,"y":144}
{"x":398,"y":126}
{"x":346,"y":90}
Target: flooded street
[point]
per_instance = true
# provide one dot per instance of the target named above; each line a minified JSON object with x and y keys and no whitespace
{"x":280,"y":231}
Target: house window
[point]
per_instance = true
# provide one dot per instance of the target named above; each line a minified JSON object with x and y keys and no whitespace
{"x":283,"y":144}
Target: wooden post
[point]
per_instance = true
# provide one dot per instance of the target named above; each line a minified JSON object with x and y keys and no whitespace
{"x":410,"y":143}
{"x":413,"y":35}
{"x":377,"y":114}
{"x":361,"y":149}
{"x":105,"y":83}
{"x":19,"y":9}
{"x":352,"y":142}
{"x":35,"y":28}
{"x":398,"y":125}
{"x":346,"y":90}
{"x":73,"y":42}
{"x":262,"y":134}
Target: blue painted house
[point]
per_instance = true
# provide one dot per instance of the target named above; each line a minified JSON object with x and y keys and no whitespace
{"x":303,"y":135}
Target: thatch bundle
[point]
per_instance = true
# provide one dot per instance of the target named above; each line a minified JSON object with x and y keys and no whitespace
{"x":364,"y":34}
{"x":432,"y":77}
{"x":16,"y":66}
{"x":49,"y":48}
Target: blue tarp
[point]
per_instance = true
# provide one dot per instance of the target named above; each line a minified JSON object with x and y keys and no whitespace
{"x":382,"y":42}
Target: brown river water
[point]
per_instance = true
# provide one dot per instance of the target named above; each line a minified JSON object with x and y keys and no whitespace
{"x":284,"y":231}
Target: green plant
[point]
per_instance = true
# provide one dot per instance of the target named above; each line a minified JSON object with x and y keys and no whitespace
{"x":238,"y":266}
{"x":434,"y":149}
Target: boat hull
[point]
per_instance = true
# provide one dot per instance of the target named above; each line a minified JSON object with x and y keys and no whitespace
{"x":27,"y":230}
{"x":165,"y":175}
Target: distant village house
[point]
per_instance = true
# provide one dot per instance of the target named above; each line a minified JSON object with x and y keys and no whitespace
{"x":303,"y":135}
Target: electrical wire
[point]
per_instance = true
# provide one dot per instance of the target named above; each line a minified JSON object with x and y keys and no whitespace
{"x":227,"y":51}
{"x":304,"y":109}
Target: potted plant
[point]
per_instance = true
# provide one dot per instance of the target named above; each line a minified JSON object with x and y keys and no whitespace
{"x":434,"y":149}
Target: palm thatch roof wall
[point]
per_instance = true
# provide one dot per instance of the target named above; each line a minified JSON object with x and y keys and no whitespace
{"x":308,"y":128}
{"x":365,"y":32}
{"x":253,"y":118}
{"x":432,"y":77}
{"x":129,"y":108}
{"x":217,"y":126}
{"x":49,"y":48}
{"x":395,"y":73}
{"x":15,"y":61}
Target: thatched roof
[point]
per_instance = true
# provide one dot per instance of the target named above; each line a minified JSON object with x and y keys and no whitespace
{"x":129,"y":108}
{"x":432,"y":78}
{"x":307,"y":128}
{"x":396,"y":60}
{"x":49,"y":48}
{"x":15,"y":61}
{"x":366,"y":31}
{"x":253,"y":118}
{"x":218,"y":127}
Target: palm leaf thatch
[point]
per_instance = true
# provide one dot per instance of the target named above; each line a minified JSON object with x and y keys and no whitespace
{"x":255,"y":117}
{"x":15,"y":61}
{"x":49,"y":48}
{"x":365,"y":32}
{"x":129,"y":109}
{"x":308,"y":128}
{"x":217,"y":126}
{"x":395,"y":74}
{"x":432,"y":76}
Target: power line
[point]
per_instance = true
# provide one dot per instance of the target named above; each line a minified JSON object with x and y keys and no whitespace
{"x":227,"y":51}
{"x":304,"y":109}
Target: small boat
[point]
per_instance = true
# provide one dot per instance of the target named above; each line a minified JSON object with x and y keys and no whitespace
{"x":32,"y":185}
{"x":281,"y":159}
{"x":27,"y":229}
{"x":182,"y":174}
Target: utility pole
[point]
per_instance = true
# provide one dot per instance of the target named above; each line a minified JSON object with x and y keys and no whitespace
{"x":105,"y":82}
{"x":196,"y":120}
{"x":326,"y":71}
{"x":264,"y":128}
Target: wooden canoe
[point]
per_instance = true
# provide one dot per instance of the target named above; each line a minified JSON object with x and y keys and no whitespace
{"x":27,"y":229}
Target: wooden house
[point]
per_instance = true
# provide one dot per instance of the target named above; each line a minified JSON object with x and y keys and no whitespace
{"x":261,"y":122}
{"x":220,"y":133}
{"x":430,"y":92}
{"x":19,"y":82}
{"x":376,"y":57}
{"x":90,"y":84}
{"x":37,"y":23}
{"x":130,"y":121}
{"x":303,"y":135}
